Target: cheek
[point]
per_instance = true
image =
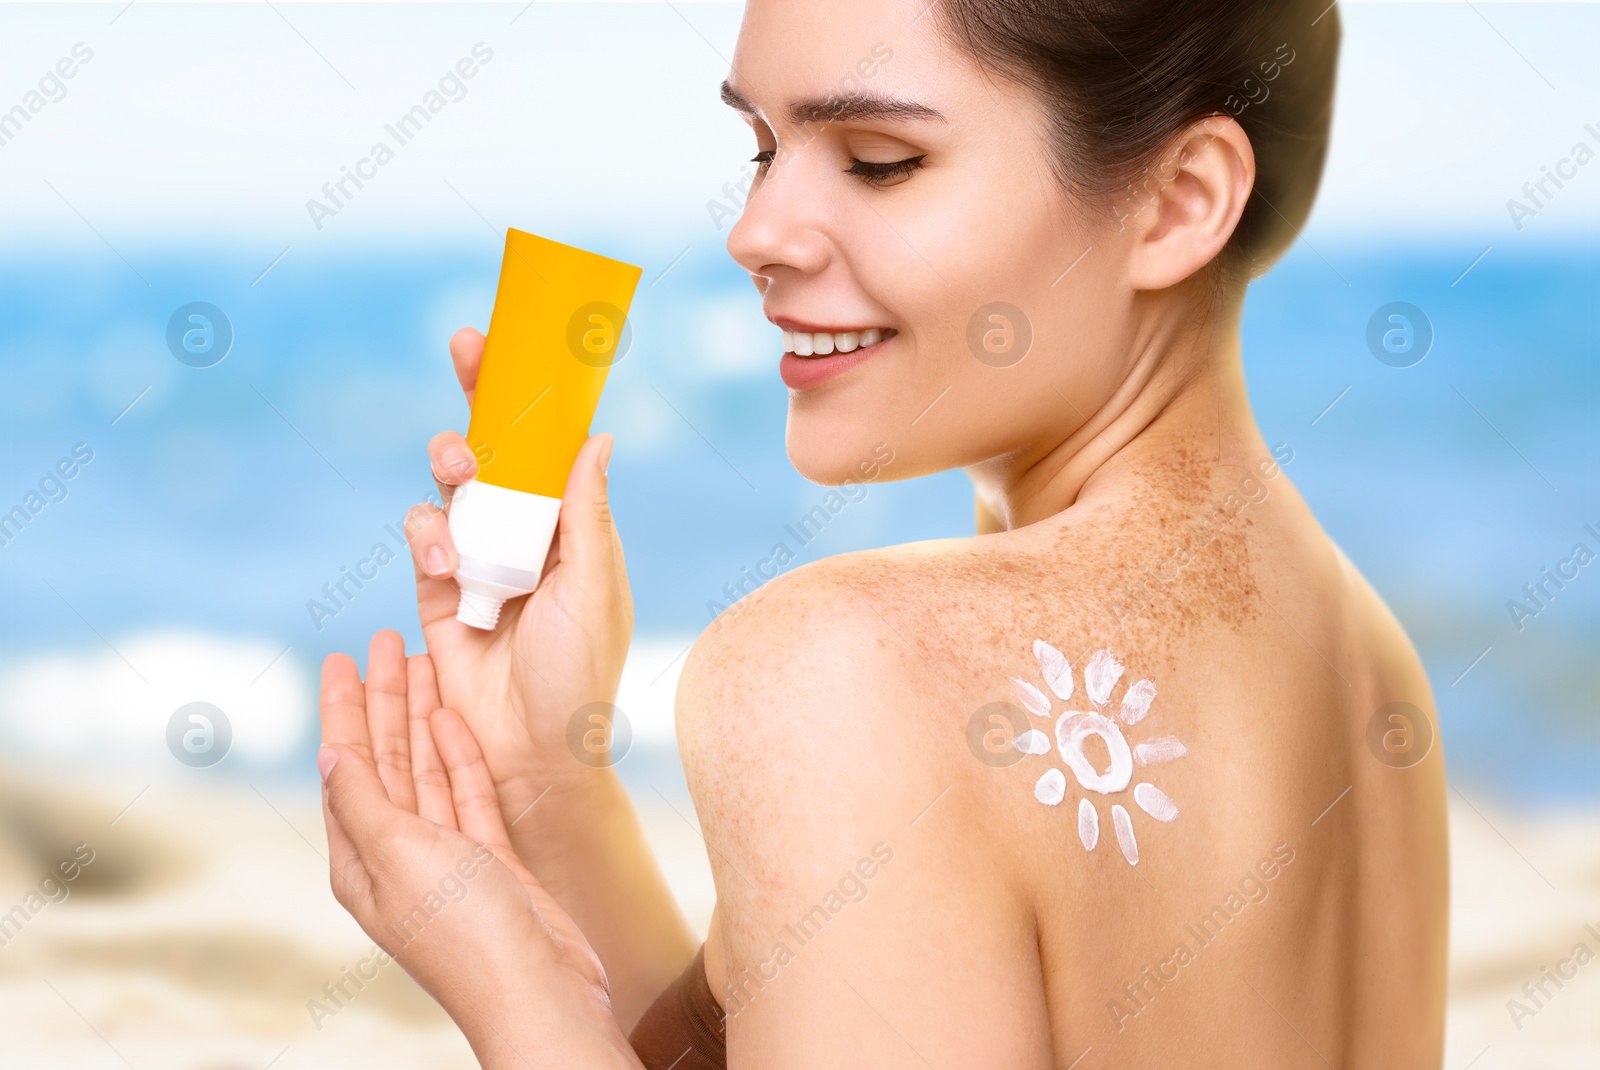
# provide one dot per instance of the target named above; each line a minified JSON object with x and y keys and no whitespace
{"x":1005,"y":306}
{"x":991,"y":272}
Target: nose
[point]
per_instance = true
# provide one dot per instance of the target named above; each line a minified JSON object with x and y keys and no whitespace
{"x":782,"y":227}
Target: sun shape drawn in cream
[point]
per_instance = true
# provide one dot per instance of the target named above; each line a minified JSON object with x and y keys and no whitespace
{"x":1074,"y":728}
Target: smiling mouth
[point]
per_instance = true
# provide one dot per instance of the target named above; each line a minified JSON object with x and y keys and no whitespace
{"x":824,"y":343}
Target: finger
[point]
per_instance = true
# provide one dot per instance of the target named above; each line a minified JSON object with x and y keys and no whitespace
{"x":472,"y":789}
{"x":433,"y":564}
{"x":357,"y":799}
{"x":427,"y":769}
{"x":452,"y":462}
{"x":351,"y":884}
{"x":344,"y":703}
{"x":466,"y":353}
{"x":588,"y":539}
{"x":433,"y":551}
{"x":387,"y":692}
{"x":478,"y":807}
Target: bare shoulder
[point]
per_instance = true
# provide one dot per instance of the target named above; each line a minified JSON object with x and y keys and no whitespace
{"x":871,"y":694}
{"x":880,"y":681}
{"x":819,"y":675}
{"x":1098,"y":683}
{"x":822,"y":729}
{"x":1032,"y":675}
{"x":871,"y":649}
{"x":829,"y":712}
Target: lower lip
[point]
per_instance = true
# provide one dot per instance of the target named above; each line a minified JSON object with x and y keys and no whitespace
{"x":802,"y":373}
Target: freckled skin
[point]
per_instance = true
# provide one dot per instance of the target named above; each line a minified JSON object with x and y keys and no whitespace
{"x":832,"y":706}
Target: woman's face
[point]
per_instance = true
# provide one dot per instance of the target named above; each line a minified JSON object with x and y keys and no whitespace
{"x":910,"y":193}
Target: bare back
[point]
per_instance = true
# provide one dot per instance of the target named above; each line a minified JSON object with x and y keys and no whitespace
{"x":1290,"y":890}
{"x":1200,"y":851}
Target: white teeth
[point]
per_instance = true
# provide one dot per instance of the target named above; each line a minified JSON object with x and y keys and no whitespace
{"x":822,"y":343}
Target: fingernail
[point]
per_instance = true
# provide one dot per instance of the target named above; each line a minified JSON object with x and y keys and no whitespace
{"x":436,"y":561}
{"x":605,"y":454}
{"x":458,"y":462}
{"x":327,"y":758}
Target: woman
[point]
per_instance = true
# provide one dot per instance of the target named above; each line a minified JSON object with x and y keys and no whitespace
{"x":1110,"y":783}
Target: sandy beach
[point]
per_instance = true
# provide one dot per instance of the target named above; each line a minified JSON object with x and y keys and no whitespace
{"x":202,"y":931}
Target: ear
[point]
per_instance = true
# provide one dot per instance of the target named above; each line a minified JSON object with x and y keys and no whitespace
{"x":1193,"y":198}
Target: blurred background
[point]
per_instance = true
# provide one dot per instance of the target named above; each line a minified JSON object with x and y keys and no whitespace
{"x":213,"y":497}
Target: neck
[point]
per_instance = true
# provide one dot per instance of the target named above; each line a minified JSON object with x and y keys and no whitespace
{"x":1184,"y":390}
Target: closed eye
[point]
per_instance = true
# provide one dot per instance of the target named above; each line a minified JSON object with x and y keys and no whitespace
{"x":880,"y":175}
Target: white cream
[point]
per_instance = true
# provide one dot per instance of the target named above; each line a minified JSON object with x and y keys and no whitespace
{"x":1100,"y":675}
{"x":1054,"y":667}
{"x":1031,"y":697}
{"x":1124,"y":826}
{"x":1073,"y":729}
{"x":1032,"y":741}
{"x":1161,"y":749}
{"x":1153,"y":801}
{"x":1088,"y":824}
{"x":1136,"y":701}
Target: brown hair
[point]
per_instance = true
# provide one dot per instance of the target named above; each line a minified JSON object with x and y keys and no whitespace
{"x":1121,"y":77}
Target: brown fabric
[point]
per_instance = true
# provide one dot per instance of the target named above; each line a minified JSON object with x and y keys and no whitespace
{"x":682,"y":1030}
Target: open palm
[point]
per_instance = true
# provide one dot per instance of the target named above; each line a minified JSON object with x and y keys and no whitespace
{"x":419,"y":853}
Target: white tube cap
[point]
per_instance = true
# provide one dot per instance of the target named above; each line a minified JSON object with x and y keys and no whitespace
{"x":481,"y":602}
{"x":479,"y":610}
{"x":502,"y":537}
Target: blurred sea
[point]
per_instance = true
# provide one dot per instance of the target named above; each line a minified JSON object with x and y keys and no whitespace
{"x":220,"y":500}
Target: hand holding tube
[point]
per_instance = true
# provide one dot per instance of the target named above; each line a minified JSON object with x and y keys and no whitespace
{"x":550,"y":653}
{"x":559,"y":323}
{"x":518,"y":688}
{"x":528,"y":465}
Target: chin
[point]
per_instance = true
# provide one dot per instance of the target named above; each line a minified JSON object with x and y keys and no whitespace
{"x":832,"y":452}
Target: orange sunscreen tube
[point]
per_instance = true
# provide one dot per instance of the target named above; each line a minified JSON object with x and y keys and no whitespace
{"x":559,"y":323}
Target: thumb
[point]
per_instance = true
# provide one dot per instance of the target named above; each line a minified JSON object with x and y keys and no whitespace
{"x":357,"y":798}
{"x":588,"y":535}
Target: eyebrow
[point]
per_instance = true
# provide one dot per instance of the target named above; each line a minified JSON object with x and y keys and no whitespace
{"x":835,"y":108}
